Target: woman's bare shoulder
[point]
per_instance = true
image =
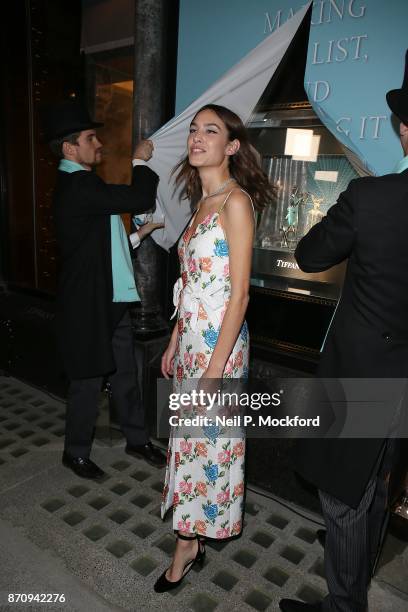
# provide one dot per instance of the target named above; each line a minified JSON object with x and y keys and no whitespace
{"x":239,"y":203}
{"x":238,"y":197}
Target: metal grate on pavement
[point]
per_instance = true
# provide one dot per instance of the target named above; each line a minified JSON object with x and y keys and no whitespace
{"x":118,"y":522}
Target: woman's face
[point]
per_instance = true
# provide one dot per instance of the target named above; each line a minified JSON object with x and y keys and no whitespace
{"x":208,"y":143}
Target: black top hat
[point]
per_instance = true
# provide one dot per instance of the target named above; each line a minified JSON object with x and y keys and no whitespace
{"x":398,"y":98}
{"x":66,"y":118}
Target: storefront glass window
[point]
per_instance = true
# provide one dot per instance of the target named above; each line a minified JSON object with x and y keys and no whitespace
{"x":110,"y":95}
{"x":309,"y":169}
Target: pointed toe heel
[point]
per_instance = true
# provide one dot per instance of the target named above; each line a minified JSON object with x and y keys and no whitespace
{"x":163,"y":585}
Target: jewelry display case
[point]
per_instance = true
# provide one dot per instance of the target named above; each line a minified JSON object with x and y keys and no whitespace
{"x":290,"y":310}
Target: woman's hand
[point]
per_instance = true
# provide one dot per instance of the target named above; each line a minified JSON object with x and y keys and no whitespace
{"x":212,"y":372}
{"x":210,"y":381}
{"x":167,"y":360}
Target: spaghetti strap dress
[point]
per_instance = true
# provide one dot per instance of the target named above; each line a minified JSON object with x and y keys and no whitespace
{"x":204,"y":480}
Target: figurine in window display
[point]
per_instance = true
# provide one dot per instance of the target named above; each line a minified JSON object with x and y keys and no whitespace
{"x":284,"y":238}
{"x":368,"y":339}
{"x":296,"y":199}
{"x":314,"y":215}
{"x":204,"y":479}
{"x":290,"y":234}
{"x":292,"y":216}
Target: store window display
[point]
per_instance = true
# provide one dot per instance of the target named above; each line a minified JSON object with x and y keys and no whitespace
{"x":309,"y":168}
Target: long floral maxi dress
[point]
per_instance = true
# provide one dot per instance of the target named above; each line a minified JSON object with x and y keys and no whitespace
{"x":205,"y":476}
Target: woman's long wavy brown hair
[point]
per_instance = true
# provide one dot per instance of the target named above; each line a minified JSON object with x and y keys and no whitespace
{"x":243,"y":166}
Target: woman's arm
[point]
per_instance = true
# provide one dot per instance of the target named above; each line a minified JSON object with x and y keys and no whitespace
{"x":238,"y":222}
{"x":167,"y":360}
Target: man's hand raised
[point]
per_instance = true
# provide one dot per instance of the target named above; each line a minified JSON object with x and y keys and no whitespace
{"x":143,"y":150}
{"x":147,"y":229}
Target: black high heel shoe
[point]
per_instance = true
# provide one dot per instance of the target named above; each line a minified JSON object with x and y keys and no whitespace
{"x":163,"y":585}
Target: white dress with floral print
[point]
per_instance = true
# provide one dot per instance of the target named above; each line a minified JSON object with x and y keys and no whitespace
{"x":205,"y":476}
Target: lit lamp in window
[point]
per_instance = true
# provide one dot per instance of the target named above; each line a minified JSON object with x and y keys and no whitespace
{"x":302,"y":145}
{"x":314,"y":149}
{"x":298,"y":142}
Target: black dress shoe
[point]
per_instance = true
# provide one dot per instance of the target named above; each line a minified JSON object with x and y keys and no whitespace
{"x":292,"y":605}
{"x":163,"y":585}
{"x":148,"y":452}
{"x":82,"y":466}
{"x":321,"y":537}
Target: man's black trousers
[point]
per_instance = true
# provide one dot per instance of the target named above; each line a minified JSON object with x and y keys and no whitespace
{"x":353,"y":539}
{"x":83,"y":396}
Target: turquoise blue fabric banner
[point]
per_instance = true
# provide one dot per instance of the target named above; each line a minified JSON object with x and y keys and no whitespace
{"x":356,"y":53}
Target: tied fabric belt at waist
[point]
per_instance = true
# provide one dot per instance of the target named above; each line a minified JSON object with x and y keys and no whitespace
{"x":191,"y":296}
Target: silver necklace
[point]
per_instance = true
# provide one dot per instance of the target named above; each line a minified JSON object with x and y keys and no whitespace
{"x":217,"y":191}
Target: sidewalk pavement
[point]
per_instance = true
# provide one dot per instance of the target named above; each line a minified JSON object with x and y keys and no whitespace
{"x":103,"y":545}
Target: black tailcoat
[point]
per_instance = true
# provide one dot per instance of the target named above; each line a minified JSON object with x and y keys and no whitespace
{"x":83,"y":203}
{"x":369,"y":335}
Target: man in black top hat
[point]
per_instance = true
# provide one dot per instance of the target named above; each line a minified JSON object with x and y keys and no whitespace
{"x":96,"y":284}
{"x":367,"y":339}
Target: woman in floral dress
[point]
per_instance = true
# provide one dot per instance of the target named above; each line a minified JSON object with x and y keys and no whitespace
{"x":205,"y":476}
